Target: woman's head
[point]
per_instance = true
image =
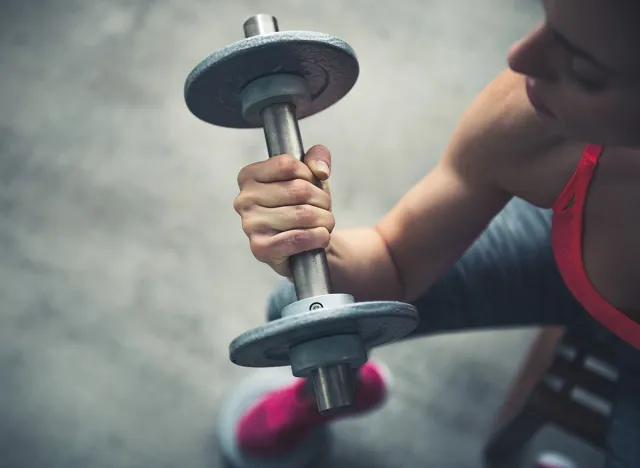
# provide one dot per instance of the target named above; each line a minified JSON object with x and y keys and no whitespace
{"x":583,"y":65}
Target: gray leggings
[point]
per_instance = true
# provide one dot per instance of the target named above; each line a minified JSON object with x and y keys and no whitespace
{"x":508,"y":278}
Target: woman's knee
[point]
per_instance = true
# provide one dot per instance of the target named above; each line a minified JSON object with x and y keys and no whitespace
{"x":282,"y":295}
{"x":507,"y":278}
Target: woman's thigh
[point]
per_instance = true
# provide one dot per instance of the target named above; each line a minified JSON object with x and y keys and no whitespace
{"x":508,"y":278}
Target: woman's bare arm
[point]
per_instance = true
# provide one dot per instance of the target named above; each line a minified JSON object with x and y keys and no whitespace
{"x":440,"y":217}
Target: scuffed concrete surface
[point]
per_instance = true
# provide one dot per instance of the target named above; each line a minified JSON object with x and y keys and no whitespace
{"x":124,"y":273}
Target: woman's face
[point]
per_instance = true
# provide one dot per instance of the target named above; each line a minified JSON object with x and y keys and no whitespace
{"x":583,"y":69}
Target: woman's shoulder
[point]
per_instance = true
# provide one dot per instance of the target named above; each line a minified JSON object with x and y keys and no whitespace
{"x":502,"y":117}
{"x":516,"y":148}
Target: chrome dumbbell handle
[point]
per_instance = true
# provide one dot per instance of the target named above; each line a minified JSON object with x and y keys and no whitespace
{"x":310,"y":270}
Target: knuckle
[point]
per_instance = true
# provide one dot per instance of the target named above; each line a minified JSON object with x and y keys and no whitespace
{"x":304,"y":214}
{"x":299,"y":239}
{"x":331,"y":223}
{"x":325,"y":238}
{"x":300,"y":190}
{"x":260,"y":248}
{"x":243,"y":176}
{"x":238,"y":204}
{"x":247,"y":229}
{"x":249,"y":225}
{"x":243,"y":202}
{"x":286,"y":164}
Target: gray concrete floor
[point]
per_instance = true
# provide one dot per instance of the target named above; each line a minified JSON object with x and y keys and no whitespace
{"x":124,"y":272}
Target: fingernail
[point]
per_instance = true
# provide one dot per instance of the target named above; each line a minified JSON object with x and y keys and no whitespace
{"x":323,"y":167}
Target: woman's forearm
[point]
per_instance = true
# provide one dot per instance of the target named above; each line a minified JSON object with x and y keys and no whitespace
{"x":361,"y":265}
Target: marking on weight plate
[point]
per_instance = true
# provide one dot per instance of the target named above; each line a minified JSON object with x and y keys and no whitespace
{"x":316,"y":306}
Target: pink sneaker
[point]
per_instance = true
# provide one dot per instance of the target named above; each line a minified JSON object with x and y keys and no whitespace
{"x":283,"y":418}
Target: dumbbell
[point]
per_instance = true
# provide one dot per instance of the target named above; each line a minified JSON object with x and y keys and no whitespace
{"x":270,"y":80}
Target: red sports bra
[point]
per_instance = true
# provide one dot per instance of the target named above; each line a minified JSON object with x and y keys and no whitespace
{"x":566,"y":236}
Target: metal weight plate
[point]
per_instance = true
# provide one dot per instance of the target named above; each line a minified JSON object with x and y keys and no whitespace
{"x":212,"y":89}
{"x":377,"y":323}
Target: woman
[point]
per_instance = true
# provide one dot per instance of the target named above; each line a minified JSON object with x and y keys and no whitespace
{"x":537,"y":193}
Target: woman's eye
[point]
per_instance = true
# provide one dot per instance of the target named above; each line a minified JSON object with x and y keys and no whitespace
{"x":586,"y":77}
{"x":589,"y":84}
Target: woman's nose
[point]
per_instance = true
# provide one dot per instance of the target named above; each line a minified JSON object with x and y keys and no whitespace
{"x":533,"y":55}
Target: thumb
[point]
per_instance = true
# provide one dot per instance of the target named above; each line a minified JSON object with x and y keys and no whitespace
{"x":318,"y":158}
